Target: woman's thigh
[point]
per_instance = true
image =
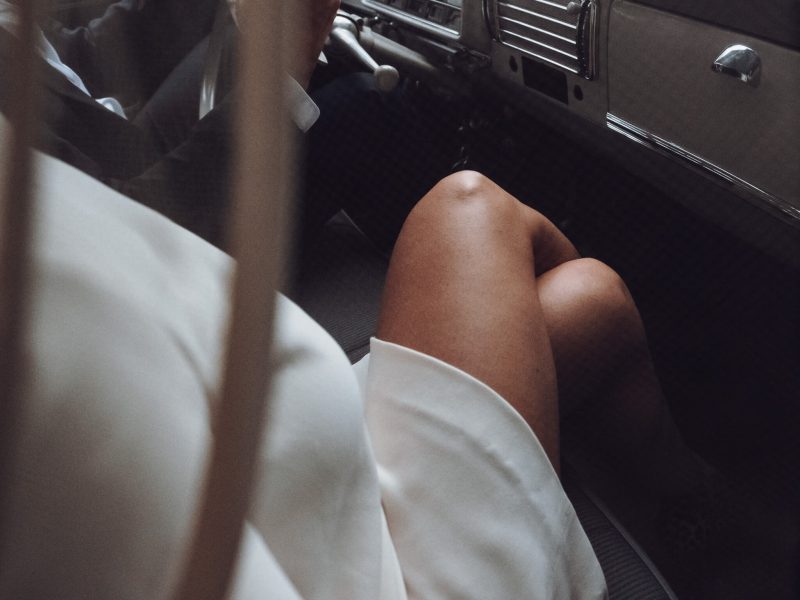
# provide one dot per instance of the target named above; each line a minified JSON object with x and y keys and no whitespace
{"x":461,"y":287}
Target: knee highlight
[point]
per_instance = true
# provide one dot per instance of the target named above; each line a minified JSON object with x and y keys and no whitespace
{"x":472,"y":192}
{"x":466,"y":185}
{"x":602,"y":290}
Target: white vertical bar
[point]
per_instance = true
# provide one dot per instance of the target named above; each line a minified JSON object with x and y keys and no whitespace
{"x":259,"y":224}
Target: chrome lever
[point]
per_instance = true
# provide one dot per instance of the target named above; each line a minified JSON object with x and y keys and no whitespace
{"x":741,"y":62}
{"x":344,"y":37}
{"x":213,"y":60}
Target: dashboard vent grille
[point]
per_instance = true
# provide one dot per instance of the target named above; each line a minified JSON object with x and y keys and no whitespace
{"x":557,"y":32}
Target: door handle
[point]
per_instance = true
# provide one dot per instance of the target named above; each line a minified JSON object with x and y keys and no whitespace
{"x":741,"y":62}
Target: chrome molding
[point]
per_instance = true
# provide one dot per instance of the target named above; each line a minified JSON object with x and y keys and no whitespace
{"x":410,"y":19}
{"x":492,"y":21}
{"x":588,"y":41}
{"x":654,"y":142}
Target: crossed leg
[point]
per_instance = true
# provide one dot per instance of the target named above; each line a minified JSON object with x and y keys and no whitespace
{"x":489,"y":285}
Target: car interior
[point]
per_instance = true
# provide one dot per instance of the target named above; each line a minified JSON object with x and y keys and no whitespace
{"x":661,"y":136}
{"x":627,"y":124}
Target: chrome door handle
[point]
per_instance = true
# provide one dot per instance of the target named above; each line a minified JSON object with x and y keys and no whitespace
{"x":741,"y":62}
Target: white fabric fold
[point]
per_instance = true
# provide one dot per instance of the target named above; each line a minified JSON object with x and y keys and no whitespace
{"x":474,"y":507}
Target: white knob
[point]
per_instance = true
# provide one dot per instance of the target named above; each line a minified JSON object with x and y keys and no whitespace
{"x":387,"y":77}
{"x":344,"y":37}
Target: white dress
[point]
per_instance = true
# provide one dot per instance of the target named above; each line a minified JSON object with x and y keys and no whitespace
{"x":400,"y":478}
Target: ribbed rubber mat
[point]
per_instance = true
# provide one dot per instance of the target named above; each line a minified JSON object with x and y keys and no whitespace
{"x":630,"y":575}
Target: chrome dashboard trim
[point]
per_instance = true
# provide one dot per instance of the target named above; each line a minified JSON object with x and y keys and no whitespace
{"x":540,"y":30}
{"x":491,"y":17}
{"x":409,"y":19}
{"x":553,"y":4}
{"x":667,"y":148}
{"x":569,"y":43}
{"x":542,"y":45}
{"x":538,"y":15}
{"x":588,"y":41}
{"x":542,"y":58}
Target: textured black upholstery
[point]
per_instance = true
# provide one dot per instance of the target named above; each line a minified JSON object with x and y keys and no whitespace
{"x":340,"y":283}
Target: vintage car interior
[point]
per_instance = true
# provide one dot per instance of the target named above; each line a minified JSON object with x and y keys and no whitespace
{"x":662,"y":137}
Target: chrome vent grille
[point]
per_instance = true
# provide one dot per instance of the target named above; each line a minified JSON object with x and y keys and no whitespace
{"x":558,"y":32}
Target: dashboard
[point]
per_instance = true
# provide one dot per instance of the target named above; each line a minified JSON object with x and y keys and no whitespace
{"x":710,"y":88}
{"x":438,"y":16}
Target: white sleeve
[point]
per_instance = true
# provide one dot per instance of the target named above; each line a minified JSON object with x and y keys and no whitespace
{"x":126,"y":310}
{"x":304,"y":110}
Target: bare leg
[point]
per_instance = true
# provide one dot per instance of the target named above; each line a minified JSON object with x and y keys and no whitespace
{"x":461,"y":287}
{"x":604,"y":368}
{"x":489,"y":285}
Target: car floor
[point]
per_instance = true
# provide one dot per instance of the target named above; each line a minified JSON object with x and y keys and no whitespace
{"x":723,"y":329}
{"x":723,"y":323}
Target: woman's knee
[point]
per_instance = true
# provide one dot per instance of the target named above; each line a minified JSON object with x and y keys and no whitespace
{"x":470,"y":200}
{"x":466,"y":186}
{"x":594,"y":288}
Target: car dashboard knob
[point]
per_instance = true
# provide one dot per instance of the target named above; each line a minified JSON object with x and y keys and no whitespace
{"x":344,"y":38}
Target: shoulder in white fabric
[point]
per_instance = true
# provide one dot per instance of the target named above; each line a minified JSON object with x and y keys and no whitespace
{"x":125,"y":339}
